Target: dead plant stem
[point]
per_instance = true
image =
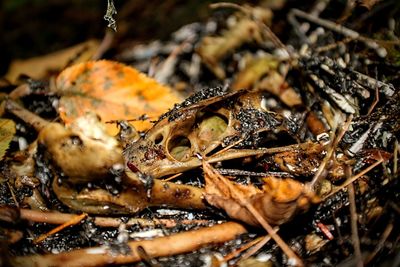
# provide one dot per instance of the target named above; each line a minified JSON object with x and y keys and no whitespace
{"x":355,"y":177}
{"x":354,"y":227}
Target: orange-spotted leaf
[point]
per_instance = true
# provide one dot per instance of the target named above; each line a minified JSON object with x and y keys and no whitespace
{"x":114,"y":91}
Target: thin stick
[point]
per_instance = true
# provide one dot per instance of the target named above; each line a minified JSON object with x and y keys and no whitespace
{"x":31,"y":118}
{"x":329,"y":47}
{"x":104,"y":45}
{"x":376,"y":100}
{"x":237,"y":172}
{"x":355,"y":177}
{"x":342,"y":30}
{"x":75,"y":220}
{"x":238,"y":195}
{"x":20,"y":91}
{"x":354,"y":228}
{"x":275,"y":40}
{"x":163,"y":246}
{"x":396,"y":149}
{"x":61,"y":218}
{"x":12,"y":194}
{"x":172,"y":177}
{"x":236,"y":252}
{"x":258,"y":246}
{"x":380,"y":244}
{"x":239,"y":153}
{"x":330,"y":151}
{"x":245,"y":10}
{"x":228,"y":147}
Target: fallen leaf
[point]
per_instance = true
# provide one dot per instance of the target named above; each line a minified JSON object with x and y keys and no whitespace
{"x":276,"y":84}
{"x":39,"y":67}
{"x":254,"y":70}
{"x":7,"y":131}
{"x":277,"y":202}
{"x":114,"y":91}
{"x":213,"y":49}
{"x":368,"y":3}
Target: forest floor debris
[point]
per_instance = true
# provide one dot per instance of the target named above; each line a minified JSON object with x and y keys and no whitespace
{"x":259,"y":140}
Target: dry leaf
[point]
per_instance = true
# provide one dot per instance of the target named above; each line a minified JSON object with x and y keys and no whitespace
{"x":114,"y":91}
{"x":276,"y":84}
{"x":368,"y":3}
{"x":212,"y":49}
{"x":254,"y":70}
{"x":277,"y":202}
{"x":39,"y":67}
{"x":7,"y":131}
{"x":303,"y":161}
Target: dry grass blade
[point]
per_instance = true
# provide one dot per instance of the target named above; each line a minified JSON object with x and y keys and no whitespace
{"x":257,"y":246}
{"x":330,"y":151}
{"x":159,"y":247}
{"x":354,"y":227}
{"x":237,"y":195}
{"x":379,"y":246}
{"x":75,"y":220}
{"x":237,"y":252}
{"x":355,"y":177}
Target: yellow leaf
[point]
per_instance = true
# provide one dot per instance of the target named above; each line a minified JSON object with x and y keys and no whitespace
{"x":39,"y":67}
{"x":114,"y":91}
{"x":7,"y":131}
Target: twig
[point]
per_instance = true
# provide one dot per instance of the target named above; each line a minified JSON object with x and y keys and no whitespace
{"x":104,"y":45}
{"x":75,"y":220}
{"x":329,"y":47}
{"x":355,"y":177}
{"x":342,"y":30}
{"x":12,"y":194}
{"x":29,"y":117}
{"x":240,"y":153}
{"x":250,"y":173}
{"x":330,"y":151}
{"x":61,"y":218}
{"x":163,"y":246}
{"x":172,"y":177}
{"x":20,"y":91}
{"x":293,"y":258}
{"x":354,"y":228}
{"x":244,"y":9}
{"x":258,"y":246}
{"x":236,"y":252}
{"x":376,"y":100}
{"x":396,"y":150}
{"x":380,"y":244}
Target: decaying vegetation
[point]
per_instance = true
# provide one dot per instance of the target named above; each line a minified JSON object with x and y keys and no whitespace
{"x":291,"y":160}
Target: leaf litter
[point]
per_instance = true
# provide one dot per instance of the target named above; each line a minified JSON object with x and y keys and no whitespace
{"x":300,"y":140}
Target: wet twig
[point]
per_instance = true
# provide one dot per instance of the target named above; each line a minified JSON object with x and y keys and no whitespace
{"x":354,"y":227}
{"x":61,"y":218}
{"x":75,"y":220}
{"x":342,"y":30}
{"x":354,"y":178}
{"x":99,"y":256}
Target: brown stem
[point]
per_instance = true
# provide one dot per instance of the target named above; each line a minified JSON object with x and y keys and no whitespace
{"x":158,"y":247}
{"x":355,"y":177}
{"x":354,"y":228}
{"x":31,"y":118}
{"x":60,"y":218}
